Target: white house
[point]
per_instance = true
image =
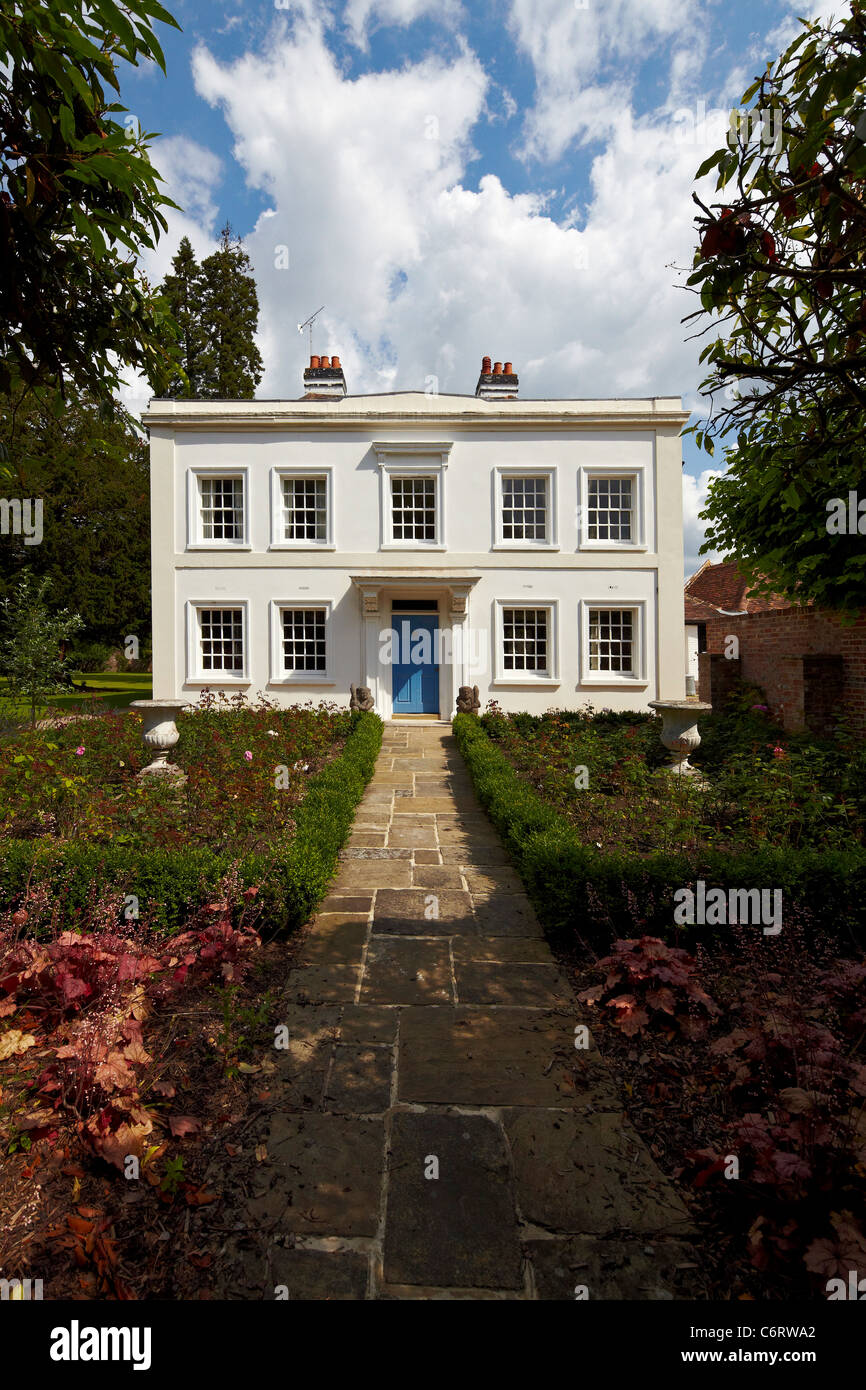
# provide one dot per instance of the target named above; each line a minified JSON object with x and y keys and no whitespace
{"x":414,"y":543}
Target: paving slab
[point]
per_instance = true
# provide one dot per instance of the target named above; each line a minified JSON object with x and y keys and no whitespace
{"x":423,"y":912}
{"x":527,"y":983}
{"x":405,"y":970}
{"x":369,"y":1023}
{"x":456,"y":1228}
{"x":589,"y":1174}
{"x":308,"y":1275}
{"x":335,"y":940}
{"x":506,"y":914}
{"x":582,"y":1267}
{"x":482,"y":1056}
{"x":359,"y":1082}
{"x":324,"y":1176}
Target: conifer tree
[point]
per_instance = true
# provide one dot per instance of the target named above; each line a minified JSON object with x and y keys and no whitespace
{"x":184,"y":291}
{"x":231,"y":363}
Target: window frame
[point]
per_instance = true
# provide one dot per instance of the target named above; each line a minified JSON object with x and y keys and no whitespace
{"x":195,"y":672}
{"x":411,"y":460}
{"x":503,"y":677}
{"x":637,"y":474}
{"x":637,"y":677}
{"x":195,"y":539}
{"x":320,"y":472}
{"x":500,"y":473}
{"x":278,"y":674}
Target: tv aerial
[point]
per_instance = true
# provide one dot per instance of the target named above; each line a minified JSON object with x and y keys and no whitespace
{"x":308,"y":323}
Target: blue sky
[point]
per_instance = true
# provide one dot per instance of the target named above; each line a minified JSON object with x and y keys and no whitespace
{"x":456,"y":179}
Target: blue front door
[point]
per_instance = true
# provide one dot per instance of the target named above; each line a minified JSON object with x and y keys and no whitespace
{"x":415,"y":671}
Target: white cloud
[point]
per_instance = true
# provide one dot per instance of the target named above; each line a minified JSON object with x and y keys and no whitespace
{"x":580,"y":55}
{"x":191,"y":176}
{"x":360,"y":15}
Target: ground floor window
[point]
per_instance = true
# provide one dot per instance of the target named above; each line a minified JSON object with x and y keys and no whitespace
{"x":222,"y":640}
{"x":304,"y":642}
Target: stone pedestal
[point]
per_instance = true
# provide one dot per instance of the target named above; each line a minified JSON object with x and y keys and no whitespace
{"x":160,"y":735}
{"x":680,"y":731}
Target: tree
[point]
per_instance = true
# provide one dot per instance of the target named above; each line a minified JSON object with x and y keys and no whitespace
{"x":80,"y":200}
{"x":89,"y":468}
{"x":184,"y":290}
{"x":31,"y":653}
{"x":232,"y":364}
{"x":781,"y":273}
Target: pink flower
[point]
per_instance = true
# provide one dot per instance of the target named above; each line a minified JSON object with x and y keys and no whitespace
{"x":763,"y":708}
{"x":779,"y":752}
{"x":248,"y":755}
{"x":80,"y":750}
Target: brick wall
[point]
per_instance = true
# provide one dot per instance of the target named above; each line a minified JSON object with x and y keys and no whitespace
{"x":779,"y":651}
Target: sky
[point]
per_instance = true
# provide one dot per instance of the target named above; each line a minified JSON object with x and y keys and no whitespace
{"x":452,"y":180}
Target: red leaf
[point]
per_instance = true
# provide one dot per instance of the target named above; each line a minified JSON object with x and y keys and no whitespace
{"x":181,"y":1125}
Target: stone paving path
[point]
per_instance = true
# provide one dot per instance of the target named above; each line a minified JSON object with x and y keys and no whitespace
{"x":431,"y":1030}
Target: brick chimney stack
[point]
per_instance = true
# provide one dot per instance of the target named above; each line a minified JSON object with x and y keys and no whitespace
{"x":497,"y":383}
{"x":324,"y":379}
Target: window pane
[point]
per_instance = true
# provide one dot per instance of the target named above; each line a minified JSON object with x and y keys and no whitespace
{"x":222,"y":639}
{"x":413,"y":509}
{"x":524,"y":639}
{"x":222,"y":509}
{"x":305,"y":509}
{"x":611,"y":639}
{"x":610,"y":509}
{"x":524,"y":509}
{"x":304,"y":639}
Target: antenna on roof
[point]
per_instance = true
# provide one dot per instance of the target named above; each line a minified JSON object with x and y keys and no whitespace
{"x":308,"y":323}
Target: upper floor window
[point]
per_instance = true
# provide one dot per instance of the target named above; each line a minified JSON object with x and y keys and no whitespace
{"x":302,"y":508}
{"x":612,"y":508}
{"x":413,"y":509}
{"x":524,"y":506}
{"x":218,"y":508}
{"x":305,"y":509}
{"x":412,"y":494}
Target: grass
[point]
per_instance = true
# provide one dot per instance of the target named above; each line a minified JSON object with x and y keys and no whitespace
{"x":114,"y":689}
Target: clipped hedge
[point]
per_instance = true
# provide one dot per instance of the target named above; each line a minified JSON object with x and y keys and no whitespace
{"x":599,"y":895}
{"x":292,"y":878}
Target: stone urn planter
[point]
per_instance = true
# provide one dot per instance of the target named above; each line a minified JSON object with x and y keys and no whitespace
{"x":160,"y":735}
{"x":680,"y":731}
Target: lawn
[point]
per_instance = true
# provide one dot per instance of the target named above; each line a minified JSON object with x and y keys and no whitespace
{"x":103,"y":689}
{"x":739,"y":1047}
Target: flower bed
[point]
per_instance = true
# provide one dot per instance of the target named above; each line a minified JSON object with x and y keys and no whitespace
{"x":272,"y":791}
{"x":610,"y":856}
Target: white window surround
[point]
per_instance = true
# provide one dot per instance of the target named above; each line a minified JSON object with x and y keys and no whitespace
{"x":510,"y":471}
{"x":194,"y":538}
{"x":637,"y":474}
{"x":639,"y":607}
{"x":278,"y":541}
{"x":501,"y":677}
{"x":411,"y":460}
{"x":195,"y":673}
{"x":278,"y":675}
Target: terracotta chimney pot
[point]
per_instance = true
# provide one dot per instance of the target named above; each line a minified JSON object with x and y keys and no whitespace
{"x":497,"y":368}
{"x":326,"y":361}
{"x":485,"y":366}
{"x":314,"y":363}
{"x":509,"y":368}
{"x":335,"y":363}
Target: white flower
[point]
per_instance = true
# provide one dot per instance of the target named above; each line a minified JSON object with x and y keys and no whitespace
{"x":272,"y":733}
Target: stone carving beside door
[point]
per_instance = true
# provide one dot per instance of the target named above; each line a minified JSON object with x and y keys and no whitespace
{"x":361,"y":698}
{"x":467,"y":700}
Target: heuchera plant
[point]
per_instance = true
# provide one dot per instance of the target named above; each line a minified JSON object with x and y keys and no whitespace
{"x":647,"y":980}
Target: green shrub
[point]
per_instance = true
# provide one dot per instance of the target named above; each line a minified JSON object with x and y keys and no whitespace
{"x":291,"y":876}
